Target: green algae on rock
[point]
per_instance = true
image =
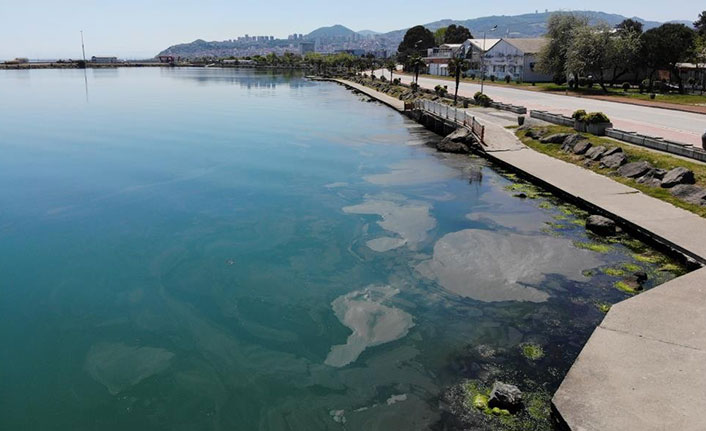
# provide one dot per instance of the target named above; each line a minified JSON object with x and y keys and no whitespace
{"x":593,"y":246}
{"x":532,"y":351}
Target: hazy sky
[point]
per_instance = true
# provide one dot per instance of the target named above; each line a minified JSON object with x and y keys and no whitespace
{"x":141,"y":28}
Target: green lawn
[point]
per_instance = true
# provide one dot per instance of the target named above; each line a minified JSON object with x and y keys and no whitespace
{"x":657,"y":160}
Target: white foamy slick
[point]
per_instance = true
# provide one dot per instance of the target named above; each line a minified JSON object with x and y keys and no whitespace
{"x":499,"y":266}
{"x":372,"y":322}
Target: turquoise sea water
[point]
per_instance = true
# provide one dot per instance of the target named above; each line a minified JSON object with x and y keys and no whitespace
{"x":225,"y":249}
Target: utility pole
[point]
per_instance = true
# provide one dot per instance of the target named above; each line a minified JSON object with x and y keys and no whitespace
{"x":482,"y":61}
{"x":83,"y":48}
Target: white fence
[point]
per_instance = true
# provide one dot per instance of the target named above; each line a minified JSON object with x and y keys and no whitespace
{"x":458,"y":116}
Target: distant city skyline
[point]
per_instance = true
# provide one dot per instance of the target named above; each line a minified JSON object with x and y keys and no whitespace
{"x":135,"y":29}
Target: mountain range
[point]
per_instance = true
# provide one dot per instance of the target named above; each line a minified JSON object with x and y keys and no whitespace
{"x":338,"y":37}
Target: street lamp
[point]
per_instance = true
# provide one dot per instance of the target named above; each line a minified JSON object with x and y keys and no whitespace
{"x":482,"y":61}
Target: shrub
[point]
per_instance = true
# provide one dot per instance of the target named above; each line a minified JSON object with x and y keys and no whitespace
{"x":508,"y":78}
{"x":482,"y":99}
{"x":383,"y":79}
{"x":396,"y":81}
{"x":492,"y":78}
{"x":518,"y":81}
{"x":589,"y":82}
{"x":440,"y":91}
{"x":579,"y":115}
{"x":414,"y":86}
{"x":626,"y":86}
{"x":582,"y":82}
{"x":473,"y":76}
{"x":596,"y":118}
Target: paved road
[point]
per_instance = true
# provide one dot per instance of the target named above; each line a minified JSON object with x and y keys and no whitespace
{"x":675,"y":125}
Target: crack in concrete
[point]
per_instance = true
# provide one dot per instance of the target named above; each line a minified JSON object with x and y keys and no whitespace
{"x":698,"y":349}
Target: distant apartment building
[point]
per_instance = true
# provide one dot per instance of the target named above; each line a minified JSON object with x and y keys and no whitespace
{"x":95,"y":59}
{"x":499,"y":58}
{"x":306,"y":47}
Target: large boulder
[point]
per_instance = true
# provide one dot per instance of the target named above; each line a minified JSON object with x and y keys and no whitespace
{"x":601,"y":225}
{"x":690,"y":193}
{"x":611,"y":151}
{"x":614,"y":160}
{"x":556,"y":138}
{"x":634,"y":169}
{"x":581,"y":147}
{"x":595,"y":153}
{"x":570,"y":141}
{"x":533,"y":134}
{"x":652,"y":178}
{"x":505,"y":396}
{"x":677,"y":176}
{"x":457,"y":141}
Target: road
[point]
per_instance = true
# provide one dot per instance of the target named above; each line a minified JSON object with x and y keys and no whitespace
{"x":674,"y":125}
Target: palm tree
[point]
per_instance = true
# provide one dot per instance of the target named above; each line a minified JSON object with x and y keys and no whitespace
{"x":416,"y":61}
{"x":391,"y":66}
{"x":456,"y":67}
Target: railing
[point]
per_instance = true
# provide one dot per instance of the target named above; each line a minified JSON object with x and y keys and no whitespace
{"x":455,"y":115}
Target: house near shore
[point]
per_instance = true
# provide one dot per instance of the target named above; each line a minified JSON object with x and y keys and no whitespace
{"x":95,"y":59}
{"x":499,"y":58}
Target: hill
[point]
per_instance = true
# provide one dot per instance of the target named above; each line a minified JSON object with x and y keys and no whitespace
{"x":329,"y":39}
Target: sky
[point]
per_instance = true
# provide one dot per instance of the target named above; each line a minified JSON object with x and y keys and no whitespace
{"x":141,"y":28}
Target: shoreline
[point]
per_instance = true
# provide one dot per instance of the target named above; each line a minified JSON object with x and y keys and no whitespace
{"x":649,"y":341}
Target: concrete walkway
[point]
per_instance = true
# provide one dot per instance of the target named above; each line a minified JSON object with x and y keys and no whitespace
{"x":382,"y":97}
{"x":644,"y":367}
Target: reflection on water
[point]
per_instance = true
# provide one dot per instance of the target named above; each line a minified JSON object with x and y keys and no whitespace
{"x":228,"y":249}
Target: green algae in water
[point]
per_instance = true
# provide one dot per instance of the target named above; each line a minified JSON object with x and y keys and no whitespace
{"x":603,"y":307}
{"x":623,"y":286}
{"x":545,"y":205}
{"x":532,"y":351}
{"x":613,"y":272}
{"x":588,"y":273}
{"x":529,"y":190}
{"x":594,"y":246}
{"x":480,"y":401}
{"x":557,"y":226}
{"x":631,"y":267}
{"x":648,"y":257}
{"x":673,"y":268}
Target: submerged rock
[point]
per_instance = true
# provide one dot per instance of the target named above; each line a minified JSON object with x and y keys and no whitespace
{"x":505,"y":396}
{"x":600,"y":225}
{"x":614,"y":160}
{"x":635,"y":169}
{"x":677,"y":176}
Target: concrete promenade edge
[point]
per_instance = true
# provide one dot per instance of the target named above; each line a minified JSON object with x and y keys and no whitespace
{"x":644,"y":367}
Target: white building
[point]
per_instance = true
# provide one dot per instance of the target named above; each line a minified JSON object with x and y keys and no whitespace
{"x":499,"y":58}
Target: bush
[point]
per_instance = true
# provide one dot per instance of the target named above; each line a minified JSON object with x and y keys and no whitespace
{"x":492,"y":78}
{"x":440,"y":91}
{"x":383,"y":79}
{"x":596,"y":118}
{"x":473,"y":76}
{"x":482,"y":99}
{"x":396,"y":81}
{"x":508,"y":78}
{"x":579,"y":115}
{"x":626,"y":86}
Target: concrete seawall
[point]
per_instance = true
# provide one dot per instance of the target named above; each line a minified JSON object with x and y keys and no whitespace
{"x":644,"y":367}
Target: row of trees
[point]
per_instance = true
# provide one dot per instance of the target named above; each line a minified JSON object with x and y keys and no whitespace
{"x":578,"y":50}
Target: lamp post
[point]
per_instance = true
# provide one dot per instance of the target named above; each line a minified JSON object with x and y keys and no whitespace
{"x":482,"y":61}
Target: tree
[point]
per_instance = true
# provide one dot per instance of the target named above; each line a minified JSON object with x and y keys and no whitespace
{"x":665,"y":46}
{"x":629,"y":26}
{"x":440,"y":35}
{"x":457,"y":66}
{"x":699,"y":58}
{"x":560,"y":31}
{"x":700,"y":24}
{"x":417,"y":39}
{"x":457,"y":34}
{"x":391,"y":65}
{"x":589,"y":52}
{"x":625,"y":52}
{"x":416,"y":62}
